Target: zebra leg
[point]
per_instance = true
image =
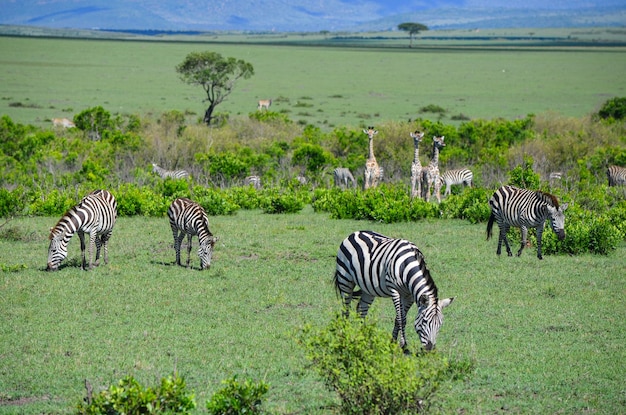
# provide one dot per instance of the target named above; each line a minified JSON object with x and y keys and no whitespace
{"x":364,"y":304}
{"x":92,"y":245}
{"x":98,"y":247}
{"x":105,"y":244}
{"x":189,"y":249}
{"x":524,"y":237}
{"x":539,"y":235}
{"x":178,"y":239}
{"x":402,"y":306}
{"x":81,"y":236}
{"x":503,"y":231}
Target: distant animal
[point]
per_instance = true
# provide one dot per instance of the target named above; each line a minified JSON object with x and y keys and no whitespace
{"x":254,"y":181}
{"x":416,"y":166}
{"x":430,"y":173}
{"x":264,"y":103}
{"x":385,"y":267}
{"x":523,"y":208}
{"x":63,"y":122}
{"x":301,"y":179}
{"x":164,"y":174}
{"x":95,"y":214}
{"x":457,"y":176}
{"x":189,"y":218}
{"x":343,"y":178}
{"x":373,"y":172}
{"x":616,"y":175}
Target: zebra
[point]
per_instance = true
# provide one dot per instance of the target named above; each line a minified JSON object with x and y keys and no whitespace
{"x":95,"y":214}
{"x":189,"y":218}
{"x":254,"y":181}
{"x":385,"y":267}
{"x":523,"y":208}
{"x":458,"y":176}
{"x":164,"y":174}
{"x":343,"y":178}
{"x":616,"y":175}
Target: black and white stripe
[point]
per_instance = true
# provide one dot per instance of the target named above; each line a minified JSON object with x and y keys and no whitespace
{"x":95,"y":214}
{"x":189,"y":218}
{"x":164,"y":174}
{"x":616,"y":175}
{"x":386,"y":267}
{"x":522,"y":208}
{"x":343,"y":178}
{"x":254,"y":181}
{"x":457,"y":176}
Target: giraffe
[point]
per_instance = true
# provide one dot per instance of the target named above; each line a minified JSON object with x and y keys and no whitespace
{"x":373,"y":172}
{"x":430,"y":173}
{"x":416,"y":166}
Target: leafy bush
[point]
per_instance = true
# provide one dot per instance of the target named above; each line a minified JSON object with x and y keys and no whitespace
{"x":238,"y":398}
{"x":276,"y":201}
{"x":614,"y":108}
{"x":523,"y":175}
{"x":129,"y":397}
{"x":11,"y":202}
{"x":52,"y":203}
{"x":370,"y":373}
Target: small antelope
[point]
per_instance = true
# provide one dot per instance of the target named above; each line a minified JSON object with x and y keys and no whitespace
{"x":62,"y":122}
{"x":264,"y":103}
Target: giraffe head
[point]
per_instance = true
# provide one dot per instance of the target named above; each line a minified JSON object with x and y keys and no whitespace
{"x":438,"y":141}
{"x":417,"y":136}
{"x":371,"y":132}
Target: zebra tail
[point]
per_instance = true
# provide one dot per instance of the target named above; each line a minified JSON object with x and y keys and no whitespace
{"x":492,"y":218}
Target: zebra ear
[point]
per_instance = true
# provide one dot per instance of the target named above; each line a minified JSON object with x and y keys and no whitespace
{"x":446,"y":302}
{"x":564,"y":206}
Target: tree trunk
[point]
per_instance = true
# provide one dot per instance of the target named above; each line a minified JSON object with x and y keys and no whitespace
{"x":208,"y":115}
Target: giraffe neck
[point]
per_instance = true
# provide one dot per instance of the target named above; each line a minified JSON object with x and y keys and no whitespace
{"x":371,"y":155}
{"x":416,"y":157}
{"x":435,"y":161}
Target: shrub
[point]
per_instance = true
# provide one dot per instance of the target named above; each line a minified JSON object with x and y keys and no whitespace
{"x":238,"y":398}
{"x":11,"y":202}
{"x":523,"y":175}
{"x":614,"y":108}
{"x":370,"y":372}
{"x":129,"y":397}
{"x":281,"y":202}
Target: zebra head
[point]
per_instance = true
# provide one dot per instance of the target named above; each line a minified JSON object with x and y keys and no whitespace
{"x":205,"y":252}
{"x":429,"y":319}
{"x":557,"y":220}
{"x":57,"y":251}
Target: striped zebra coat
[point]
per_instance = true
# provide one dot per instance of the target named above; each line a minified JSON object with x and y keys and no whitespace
{"x":164,"y":174}
{"x":386,"y":267}
{"x":343,"y":178}
{"x":458,"y":176}
{"x":189,"y":218}
{"x":95,"y":215}
{"x":522,"y":208}
{"x":254,"y":181}
{"x":616,"y":175}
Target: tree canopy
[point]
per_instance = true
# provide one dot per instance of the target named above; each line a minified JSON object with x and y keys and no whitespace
{"x":412,"y":28}
{"x":217,"y":76}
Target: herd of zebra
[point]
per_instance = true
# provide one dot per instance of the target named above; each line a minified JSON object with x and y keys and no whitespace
{"x":368,"y":264}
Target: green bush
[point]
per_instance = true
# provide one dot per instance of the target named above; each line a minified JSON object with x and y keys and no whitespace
{"x":11,"y":202}
{"x":238,"y":398}
{"x":370,"y":372}
{"x":614,"y":108}
{"x":275,"y":201}
{"x":129,"y":397}
{"x":51,"y":203}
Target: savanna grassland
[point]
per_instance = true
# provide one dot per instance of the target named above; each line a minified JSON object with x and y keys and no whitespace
{"x":545,"y":336}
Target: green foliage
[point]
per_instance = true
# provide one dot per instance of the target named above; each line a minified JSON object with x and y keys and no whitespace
{"x":311,"y":156}
{"x":614,"y":108}
{"x":471,"y":205}
{"x":276,"y":201}
{"x":134,"y":200}
{"x":129,"y":397}
{"x":94,"y":120}
{"x":53,"y":203}
{"x":370,"y":372}
{"x":214,"y":201}
{"x":269,"y":116}
{"x":523,"y":175}
{"x":238,"y":398}
{"x":11,"y":202}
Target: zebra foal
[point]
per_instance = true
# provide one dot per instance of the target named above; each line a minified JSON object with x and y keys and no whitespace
{"x":164,"y":174}
{"x":616,"y":175}
{"x":523,"y":208}
{"x":385,"y":267}
{"x":189,"y":218}
{"x":95,"y":214}
{"x":458,"y":176}
{"x":343,"y":178}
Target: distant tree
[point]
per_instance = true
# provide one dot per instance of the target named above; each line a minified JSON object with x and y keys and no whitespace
{"x":217,"y":76}
{"x":412,"y":28}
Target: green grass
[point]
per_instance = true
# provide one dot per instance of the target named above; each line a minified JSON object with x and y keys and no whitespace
{"x":546,"y":336}
{"x":344,"y":86}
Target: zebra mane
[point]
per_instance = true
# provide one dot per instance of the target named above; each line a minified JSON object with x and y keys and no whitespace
{"x":548,"y":198}
{"x":55,"y":227}
{"x":426,"y":274}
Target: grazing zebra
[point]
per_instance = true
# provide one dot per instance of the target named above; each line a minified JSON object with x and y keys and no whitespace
{"x":616,"y":175}
{"x":254,"y":181}
{"x":189,"y":218}
{"x":512,"y":206}
{"x":458,"y":176}
{"x":95,"y":214}
{"x":430,"y":173}
{"x":386,"y":267}
{"x":174,"y":174}
{"x":343,"y":178}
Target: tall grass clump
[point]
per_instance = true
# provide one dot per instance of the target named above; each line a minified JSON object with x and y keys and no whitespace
{"x":370,"y":373}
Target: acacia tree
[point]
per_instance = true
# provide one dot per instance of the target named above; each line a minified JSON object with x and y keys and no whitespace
{"x":217,"y":76}
{"x":412,"y":28}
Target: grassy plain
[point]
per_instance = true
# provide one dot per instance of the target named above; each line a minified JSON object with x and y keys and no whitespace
{"x":547,"y":336}
{"x":320,"y":85}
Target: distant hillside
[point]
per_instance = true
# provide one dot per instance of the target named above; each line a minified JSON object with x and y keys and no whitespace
{"x":303,"y":15}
